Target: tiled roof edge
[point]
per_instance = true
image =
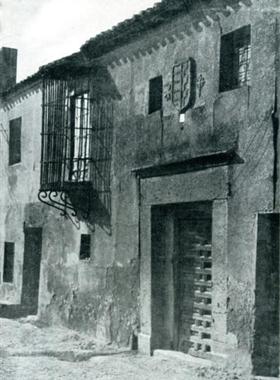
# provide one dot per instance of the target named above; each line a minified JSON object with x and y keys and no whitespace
{"x":162,"y":12}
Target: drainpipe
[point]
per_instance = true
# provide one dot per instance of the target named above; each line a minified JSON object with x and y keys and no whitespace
{"x":275,"y":125}
{"x":138,"y":184}
{"x":275,"y":121}
{"x":276,"y":140}
{"x":138,"y":189}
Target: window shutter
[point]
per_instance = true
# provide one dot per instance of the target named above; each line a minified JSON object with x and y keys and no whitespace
{"x":85,"y":246}
{"x":155,"y":94}
{"x":9,"y":252}
{"x":15,"y":141}
{"x":226,"y":62}
{"x":235,"y":56}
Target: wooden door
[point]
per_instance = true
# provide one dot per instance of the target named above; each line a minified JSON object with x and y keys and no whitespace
{"x":193,"y":279}
{"x":31,"y":269}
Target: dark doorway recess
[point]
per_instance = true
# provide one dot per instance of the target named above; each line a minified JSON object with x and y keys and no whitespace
{"x":30,"y":277}
{"x":9,"y":254}
{"x":182,"y":277}
{"x":31,"y":269}
{"x":266,"y":339}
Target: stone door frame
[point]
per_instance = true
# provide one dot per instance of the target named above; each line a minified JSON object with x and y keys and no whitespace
{"x":205,"y":185}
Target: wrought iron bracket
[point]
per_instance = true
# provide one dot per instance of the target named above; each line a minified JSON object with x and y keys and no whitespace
{"x":74,"y":203}
{"x":60,"y":201}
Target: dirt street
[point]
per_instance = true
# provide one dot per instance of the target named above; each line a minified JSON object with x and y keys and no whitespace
{"x":119,"y":367}
{"x":29,"y":351}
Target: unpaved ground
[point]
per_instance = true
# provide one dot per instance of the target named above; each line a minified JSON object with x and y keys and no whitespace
{"x":29,"y":351}
{"x":119,"y":367}
{"x":28,"y":335}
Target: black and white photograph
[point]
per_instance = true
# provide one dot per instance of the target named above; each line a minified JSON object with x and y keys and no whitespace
{"x":139,"y":189}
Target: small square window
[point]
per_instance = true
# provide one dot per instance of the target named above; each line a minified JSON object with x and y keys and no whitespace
{"x":155,"y":94}
{"x":85,"y":247}
{"x":15,"y":141}
{"x":235,"y":59}
{"x":9,"y":253}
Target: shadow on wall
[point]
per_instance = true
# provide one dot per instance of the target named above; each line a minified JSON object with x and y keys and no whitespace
{"x":93,"y":207}
{"x":15,"y":311}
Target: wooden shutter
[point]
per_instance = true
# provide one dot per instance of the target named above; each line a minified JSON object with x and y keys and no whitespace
{"x":9,"y":252}
{"x":15,"y":141}
{"x":155,"y":94}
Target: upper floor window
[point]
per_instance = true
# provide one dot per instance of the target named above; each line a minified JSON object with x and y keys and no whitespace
{"x":235,"y":59}
{"x":155,"y":94}
{"x":15,"y":141}
{"x":9,"y":253}
{"x":80,"y":138}
{"x":77,"y":137}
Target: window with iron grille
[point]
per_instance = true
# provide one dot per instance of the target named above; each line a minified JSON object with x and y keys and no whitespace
{"x":80,"y":138}
{"x":15,"y":141}
{"x":76,"y":145}
{"x":85,"y":247}
{"x":155,"y":94}
{"x":8,"y":270}
{"x":235,"y":59}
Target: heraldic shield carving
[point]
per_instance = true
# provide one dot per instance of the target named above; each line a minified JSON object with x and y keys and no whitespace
{"x":184,"y":85}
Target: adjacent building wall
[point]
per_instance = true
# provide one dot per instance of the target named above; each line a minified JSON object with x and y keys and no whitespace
{"x":102,"y":294}
{"x":93,"y":295}
{"x":19,"y":182}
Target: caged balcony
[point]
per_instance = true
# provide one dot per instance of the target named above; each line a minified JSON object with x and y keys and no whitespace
{"x":76,"y":148}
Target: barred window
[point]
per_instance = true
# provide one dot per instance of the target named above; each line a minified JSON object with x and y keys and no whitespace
{"x":244,"y":69}
{"x":80,"y":138}
{"x":235,"y":59}
{"x":76,"y":146}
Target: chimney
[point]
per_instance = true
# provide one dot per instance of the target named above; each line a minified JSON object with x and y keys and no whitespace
{"x":8,"y":68}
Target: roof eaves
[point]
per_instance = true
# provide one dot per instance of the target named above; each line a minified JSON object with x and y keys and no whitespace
{"x":131,"y":28}
{"x":29,"y":81}
{"x":151,"y":18}
{"x":71,"y":60}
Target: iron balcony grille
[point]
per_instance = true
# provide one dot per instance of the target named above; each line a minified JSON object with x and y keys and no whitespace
{"x":76,"y":139}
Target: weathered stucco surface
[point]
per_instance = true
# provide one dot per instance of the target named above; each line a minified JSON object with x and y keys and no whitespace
{"x":19,"y":182}
{"x":239,"y":119}
{"x":106,"y":295}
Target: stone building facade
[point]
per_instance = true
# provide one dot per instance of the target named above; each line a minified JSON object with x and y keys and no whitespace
{"x":154,"y":151}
